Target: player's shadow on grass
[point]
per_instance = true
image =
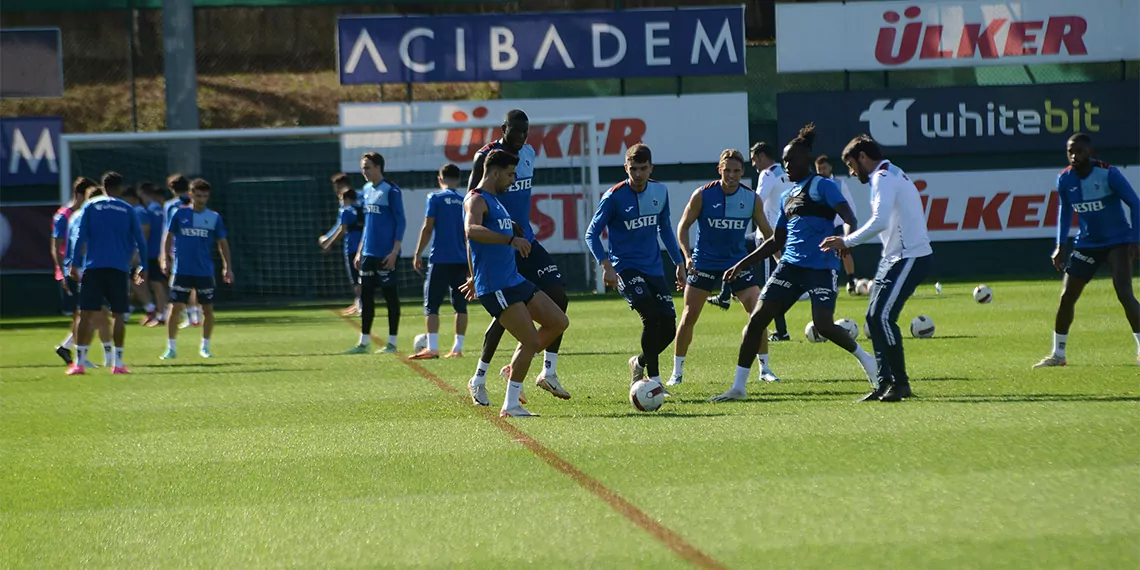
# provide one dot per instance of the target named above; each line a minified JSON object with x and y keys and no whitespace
{"x":1000,"y":398}
{"x":60,"y":323}
{"x":595,"y":353}
{"x":168,"y":371}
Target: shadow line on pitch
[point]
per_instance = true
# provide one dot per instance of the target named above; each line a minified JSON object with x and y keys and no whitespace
{"x":1025,"y":398}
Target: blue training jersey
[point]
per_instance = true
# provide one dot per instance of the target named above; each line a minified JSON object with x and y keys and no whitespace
{"x":494,"y":264}
{"x":157,"y":219}
{"x":359,"y":204}
{"x":516,"y":199}
{"x":634,"y":221}
{"x":384,"y":220}
{"x":352,"y":218}
{"x":72,"y":238}
{"x":448,"y":245}
{"x":171,"y":205}
{"x":1098,"y":200}
{"x":109,"y":235}
{"x":721,"y":225}
{"x":194,"y":236}
{"x":807,"y":213}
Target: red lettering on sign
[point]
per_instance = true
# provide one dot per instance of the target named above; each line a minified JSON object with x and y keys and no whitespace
{"x":623,"y":134}
{"x":931,"y":41}
{"x":1052,"y":209}
{"x":1021,"y":33}
{"x":544,"y":223}
{"x":973,"y":39}
{"x":937,"y":220}
{"x":1069,"y":30}
{"x":1020,"y":210}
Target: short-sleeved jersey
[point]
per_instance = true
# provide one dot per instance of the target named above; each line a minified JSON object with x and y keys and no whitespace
{"x":446,"y":208}
{"x":770,"y":186}
{"x":635,"y":221}
{"x":194,"y":236}
{"x":807,"y":214}
{"x":171,"y":205}
{"x":59,"y":233}
{"x":72,"y":239}
{"x":351,"y":218}
{"x":109,"y":235}
{"x":517,"y":198}
{"x":384,"y":220}
{"x":1099,"y":200}
{"x":721,"y":225}
{"x":494,"y":264}
{"x":157,"y":220}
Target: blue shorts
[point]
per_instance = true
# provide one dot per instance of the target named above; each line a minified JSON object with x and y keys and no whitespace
{"x":442,"y":277}
{"x":181,"y":285}
{"x":788,"y":282}
{"x":638,"y":288}
{"x":350,"y":267}
{"x":539,"y":267}
{"x":104,"y":284}
{"x":372,"y":276}
{"x":497,"y":301}
{"x":711,"y":280}
{"x":1084,"y":262}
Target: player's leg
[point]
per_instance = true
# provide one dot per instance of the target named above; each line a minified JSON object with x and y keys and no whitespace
{"x":118,"y":296}
{"x":1079,"y":270}
{"x":392,"y":301}
{"x":459,"y":303}
{"x":823,"y":288}
{"x":747,"y":289}
{"x":652,"y":299}
{"x":552,"y":321}
{"x":204,"y":286}
{"x":369,"y":281}
{"x":180,"y":289}
{"x":435,"y":286}
{"x":898,"y":283}
{"x":1121,"y":264}
{"x":142,"y":293}
{"x":158,"y":291}
{"x":780,"y":321}
{"x":540,"y":268}
{"x":193,"y":311}
{"x":697,"y":290}
{"x":106,"y":336}
{"x":90,"y":302}
{"x":68,"y":298}
{"x":766,"y":309}
{"x":354,"y":281}
{"x":849,"y":269}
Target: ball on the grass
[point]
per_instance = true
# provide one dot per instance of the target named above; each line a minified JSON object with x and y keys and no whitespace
{"x":646,"y":395}
{"x":983,"y":294}
{"x":922,"y":327}
{"x":863,"y":286}
{"x":850,"y":326}
{"x":812,"y":334}
{"x":420,"y":343}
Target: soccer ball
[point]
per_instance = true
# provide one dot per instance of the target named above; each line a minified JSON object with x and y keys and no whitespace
{"x":863,"y":286}
{"x":922,"y":327}
{"x":812,"y":334}
{"x":647,"y":395}
{"x":420,"y":343}
{"x":850,"y":326}
{"x":983,"y":294}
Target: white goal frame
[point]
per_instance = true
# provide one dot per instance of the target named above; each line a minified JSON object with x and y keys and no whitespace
{"x":592,"y":189}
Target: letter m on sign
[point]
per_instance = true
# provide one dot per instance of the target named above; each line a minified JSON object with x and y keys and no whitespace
{"x":28,"y":150}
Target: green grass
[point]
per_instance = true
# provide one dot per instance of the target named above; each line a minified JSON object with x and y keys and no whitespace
{"x":281,"y":452}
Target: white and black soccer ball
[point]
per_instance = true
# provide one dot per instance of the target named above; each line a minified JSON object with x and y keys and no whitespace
{"x":983,"y":294}
{"x":850,"y":326}
{"x":812,"y":334}
{"x":646,"y":395}
{"x":922,"y":327}
{"x":863,"y":286}
{"x":420,"y":343}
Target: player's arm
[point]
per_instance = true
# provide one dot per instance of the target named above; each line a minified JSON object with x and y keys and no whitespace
{"x":140,"y":245}
{"x":167,"y":245}
{"x":884,"y":190}
{"x":760,"y":219}
{"x":668,"y":238}
{"x":833,"y":196}
{"x":224,"y":251}
{"x":1064,"y":224}
{"x":1119,"y":184}
{"x":58,"y":232}
{"x":476,"y":172}
{"x":329,"y":239}
{"x":767,"y":249}
{"x":80,"y":243}
{"x":601,"y":221}
{"x":421,"y":244}
{"x":396,"y":202}
{"x":688,"y":218}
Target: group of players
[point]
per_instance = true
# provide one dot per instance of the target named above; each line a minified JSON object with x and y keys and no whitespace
{"x":108,"y":240}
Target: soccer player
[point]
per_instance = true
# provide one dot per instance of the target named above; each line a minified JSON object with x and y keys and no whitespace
{"x":379,"y":250}
{"x":538,"y":267}
{"x":806,"y":216}
{"x":721,"y":209}
{"x":180,"y":186}
{"x":154,"y":197}
{"x":511,"y":300}
{"x":132,"y":196}
{"x":189,"y":236}
{"x":101,"y":320}
{"x":897,"y":217}
{"x":64,"y":229}
{"x":823,"y":168}
{"x":350,"y":224}
{"x":447,"y":264}
{"x":635,"y":213}
{"x":1096,"y":192}
{"x":109,"y":236}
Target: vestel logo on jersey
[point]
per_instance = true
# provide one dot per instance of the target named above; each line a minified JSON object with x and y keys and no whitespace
{"x":1021,"y":38}
{"x":642,"y":222}
{"x":728,"y":224}
{"x":549,"y":141}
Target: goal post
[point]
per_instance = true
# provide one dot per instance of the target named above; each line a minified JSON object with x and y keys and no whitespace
{"x":273,"y":188}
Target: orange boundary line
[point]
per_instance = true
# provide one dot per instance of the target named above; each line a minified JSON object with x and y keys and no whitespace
{"x":631,"y":512}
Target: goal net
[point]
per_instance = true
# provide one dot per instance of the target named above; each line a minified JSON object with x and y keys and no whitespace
{"x":273,"y":189}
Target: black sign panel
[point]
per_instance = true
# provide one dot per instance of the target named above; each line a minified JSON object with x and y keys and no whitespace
{"x":967,"y":120}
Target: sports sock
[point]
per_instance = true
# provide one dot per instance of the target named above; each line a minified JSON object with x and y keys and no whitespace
{"x":149,"y":307}
{"x":678,"y":366}
{"x":108,"y":354}
{"x":69,"y":342}
{"x":205,"y":344}
{"x":458,"y":346}
{"x":481,"y":372}
{"x":365,"y":340}
{"x":763,"y":358}
{"x":549,"y":363}
{"x":392,"y":339}
{"x":741,"y":378}
{"x":1137,"y":335}
{"x":81,"y":355}
{"x":171,"y":343}
{"x":513,"y":391}
{"x":867,"y":361}
{"x":433,"y":342}
{"x":1060,"y":340}
{"x":119,"y":357}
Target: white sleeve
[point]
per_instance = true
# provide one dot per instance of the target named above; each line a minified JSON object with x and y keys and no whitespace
{"x":883,"y":191}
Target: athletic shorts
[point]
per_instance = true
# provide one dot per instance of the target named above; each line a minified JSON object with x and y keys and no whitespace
{"x":638,"y":288}
{"x":442,"y":277}
{"x":539,"y":267}
{"x":1084,"y":262}
{"x":104,"y":284}
{"x":371,"y":276}
{"x":711,"y":280}
{"x":789,"y":282}
{"x":497,"y":301}
{"x":154,"y":271}
{"x":350,"y":267}
{"x":181,"y":285}
{"x":69,"y":298}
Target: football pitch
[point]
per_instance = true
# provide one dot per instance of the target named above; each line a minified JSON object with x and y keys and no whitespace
{"x":282,"y":452}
